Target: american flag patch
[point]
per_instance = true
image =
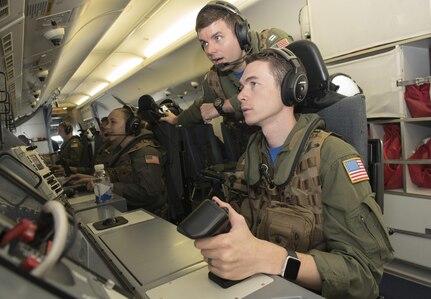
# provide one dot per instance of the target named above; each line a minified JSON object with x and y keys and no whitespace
{"x":152,"y":159}
{"x":281,"y":44}
{"x":355,"y":170}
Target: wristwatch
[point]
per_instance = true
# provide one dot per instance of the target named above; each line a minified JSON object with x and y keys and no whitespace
{"x":218,"y":104}
{"x":291,"y":265}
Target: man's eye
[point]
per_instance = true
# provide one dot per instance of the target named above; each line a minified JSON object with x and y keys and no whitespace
{"x":240,"y":88}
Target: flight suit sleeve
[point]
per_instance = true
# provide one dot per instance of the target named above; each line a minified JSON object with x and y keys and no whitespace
{"x":236,"y":104}
{"x":230,"y":85}
{"x":148,"y":184}
{"x":358,"y":244}
{"x":274,"y":38}
{"x":191,"y":115}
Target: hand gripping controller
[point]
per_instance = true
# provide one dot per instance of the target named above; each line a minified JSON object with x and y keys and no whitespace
{"x":208,"y":220}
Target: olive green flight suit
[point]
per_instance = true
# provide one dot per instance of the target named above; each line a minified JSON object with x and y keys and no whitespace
{"x":356,"y":244}
{"x":227,"y":84}
{"x":138,"y":175}
{"x":71,"y":152}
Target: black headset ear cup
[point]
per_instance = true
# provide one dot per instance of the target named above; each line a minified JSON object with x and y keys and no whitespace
{"x":133,"y":122}
{"x":243,"y":34}
{"x":294,"y":86}
{"x":68,"y":128}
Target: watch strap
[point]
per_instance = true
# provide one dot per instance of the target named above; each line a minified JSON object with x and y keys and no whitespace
{"x":218,"y":104}
{"x":292,"y":253}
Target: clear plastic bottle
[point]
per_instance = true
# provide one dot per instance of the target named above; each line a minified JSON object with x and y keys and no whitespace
{"x":102,"y":184}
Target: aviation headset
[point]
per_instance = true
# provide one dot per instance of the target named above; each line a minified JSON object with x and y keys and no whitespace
{"x":242,"y":27}
{"x":133,"y":122}
{"x":171,"y":105}
{"x":68,"y":128}
{"x":294,"y":86}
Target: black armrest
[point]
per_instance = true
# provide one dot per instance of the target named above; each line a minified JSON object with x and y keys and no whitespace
{"x":375,"y":169}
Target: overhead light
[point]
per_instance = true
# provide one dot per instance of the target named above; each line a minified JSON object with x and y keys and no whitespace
{"x":82,"y":99}
{"x":124,"y":68}
{"x":172,"y":34}
{"x":98,"y":88}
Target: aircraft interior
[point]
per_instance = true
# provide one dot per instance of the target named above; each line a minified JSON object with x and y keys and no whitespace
{"x":77,"y":60}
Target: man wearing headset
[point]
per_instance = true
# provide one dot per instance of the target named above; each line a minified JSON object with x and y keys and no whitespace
{"x":227,"y":39}
{"x":135,"y":165}
{"x":71,"y":150}
{"x":102,"y":152}
{"x":309,"y":214}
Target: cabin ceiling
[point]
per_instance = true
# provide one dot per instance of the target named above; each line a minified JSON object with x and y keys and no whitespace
{"x":42,"y":65}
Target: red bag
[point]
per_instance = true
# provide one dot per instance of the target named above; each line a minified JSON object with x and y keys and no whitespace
{"x":393,"y":173}
{"x":420,"y":174}
{"x":418,"y":100}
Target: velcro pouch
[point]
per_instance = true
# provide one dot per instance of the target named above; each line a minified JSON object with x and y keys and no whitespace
{"x":288,"y":226}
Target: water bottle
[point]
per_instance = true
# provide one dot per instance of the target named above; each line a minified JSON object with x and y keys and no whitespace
{"x":102,"y":184}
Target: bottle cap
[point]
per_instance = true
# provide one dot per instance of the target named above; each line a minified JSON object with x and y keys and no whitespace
{"x":99,"y":167}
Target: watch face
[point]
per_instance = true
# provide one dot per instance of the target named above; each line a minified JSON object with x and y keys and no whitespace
{"x":292,"y":268}
{"x":218,"y":103}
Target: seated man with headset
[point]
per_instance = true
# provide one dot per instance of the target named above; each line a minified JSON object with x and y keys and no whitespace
{"x":135,"y":166}
{"x":71,"y":154}
{"x":308,"y":213}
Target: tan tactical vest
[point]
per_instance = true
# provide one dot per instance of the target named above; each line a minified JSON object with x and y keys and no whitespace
{"x":289,"y":215}
{"x":122,"y":170}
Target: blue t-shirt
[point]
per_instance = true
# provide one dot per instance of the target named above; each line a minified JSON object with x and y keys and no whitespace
{"x":273,"y":152}
{"x":239,"y":75}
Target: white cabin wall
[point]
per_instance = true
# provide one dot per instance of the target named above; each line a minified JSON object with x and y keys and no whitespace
{"x":276,"y":13}
{"x":34,"y":128}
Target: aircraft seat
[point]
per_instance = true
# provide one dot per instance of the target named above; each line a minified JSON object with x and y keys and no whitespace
{"x":345,"y":116}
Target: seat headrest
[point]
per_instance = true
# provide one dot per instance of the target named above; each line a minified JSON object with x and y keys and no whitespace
{"x":315,"y":67}
{"x":146,"y":102}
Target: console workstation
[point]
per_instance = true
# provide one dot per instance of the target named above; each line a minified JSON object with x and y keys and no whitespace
{"x":55,"y":245}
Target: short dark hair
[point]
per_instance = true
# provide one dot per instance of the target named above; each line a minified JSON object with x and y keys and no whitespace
{"x":104,"y":119}
{"x":67,"y":126}
{"x":211,"y":13}
{"x":279,"y":66}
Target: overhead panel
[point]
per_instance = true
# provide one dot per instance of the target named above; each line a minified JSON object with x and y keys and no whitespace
{"x":60,"y":19}
{"x":86,"y":28}
{"x":11,"y":43}
{"x":36,"y":9}
{"x":4,"y":9}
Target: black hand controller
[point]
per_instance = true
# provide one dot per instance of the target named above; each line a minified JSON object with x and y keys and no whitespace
{"x":208,"y":220}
